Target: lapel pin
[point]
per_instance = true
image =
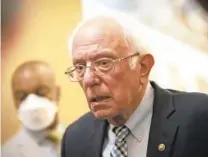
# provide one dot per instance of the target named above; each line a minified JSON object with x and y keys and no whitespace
{"x":161,"y":147}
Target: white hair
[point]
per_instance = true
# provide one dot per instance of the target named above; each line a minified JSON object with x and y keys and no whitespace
{"x":134,"y":31}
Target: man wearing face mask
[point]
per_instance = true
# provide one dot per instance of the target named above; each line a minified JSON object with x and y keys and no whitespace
{"x":36,"y":97}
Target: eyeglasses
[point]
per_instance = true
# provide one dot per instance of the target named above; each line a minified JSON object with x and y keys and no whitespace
{"x":99,"y":67}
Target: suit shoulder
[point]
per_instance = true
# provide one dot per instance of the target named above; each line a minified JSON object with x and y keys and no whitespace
{"x":195,"y":98}
{"x":195,"y":102}
{"x":81,"y":125}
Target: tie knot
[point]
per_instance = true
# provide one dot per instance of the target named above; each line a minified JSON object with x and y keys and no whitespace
{"x":121,"y":132}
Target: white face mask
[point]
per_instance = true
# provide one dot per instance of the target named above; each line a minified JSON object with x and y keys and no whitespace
{"x":37,"y":113}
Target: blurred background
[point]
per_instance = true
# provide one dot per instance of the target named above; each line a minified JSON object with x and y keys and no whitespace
{"x":39,"y":29}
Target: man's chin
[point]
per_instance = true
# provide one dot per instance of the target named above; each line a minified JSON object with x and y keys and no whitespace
{"x":102,"y":114}
{"x":111,"y":117}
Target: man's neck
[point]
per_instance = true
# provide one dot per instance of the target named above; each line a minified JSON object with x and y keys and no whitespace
{"x":126,"y":113}
{"x":38,"y":136}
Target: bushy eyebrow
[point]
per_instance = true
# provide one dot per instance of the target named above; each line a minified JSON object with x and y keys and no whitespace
{"x":104,"y":53}
{"x":108,"y":53}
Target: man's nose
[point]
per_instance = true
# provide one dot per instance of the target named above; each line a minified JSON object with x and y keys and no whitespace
{"x":90,"y":78}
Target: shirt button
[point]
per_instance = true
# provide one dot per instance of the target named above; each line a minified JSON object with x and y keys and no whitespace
{"x":140,"y":138}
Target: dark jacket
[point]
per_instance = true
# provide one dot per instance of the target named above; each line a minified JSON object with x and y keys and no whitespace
{"x":179,"y":121}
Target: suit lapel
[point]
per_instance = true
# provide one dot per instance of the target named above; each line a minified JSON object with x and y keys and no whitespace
{"x":96,"y":140}
{"x":163,"y":129}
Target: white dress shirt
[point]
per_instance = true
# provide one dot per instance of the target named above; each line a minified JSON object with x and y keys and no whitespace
{"x":27,"y":143}
{"x":139,"y":125}
{"x":47,"y":147}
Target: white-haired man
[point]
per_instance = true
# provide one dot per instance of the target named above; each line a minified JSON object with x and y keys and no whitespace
{"x":130,"y":115}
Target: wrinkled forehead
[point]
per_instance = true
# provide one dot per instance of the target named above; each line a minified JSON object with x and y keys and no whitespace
{"x":97,"y":34}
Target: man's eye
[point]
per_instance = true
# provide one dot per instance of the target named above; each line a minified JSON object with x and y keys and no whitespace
{"x":103,"y":63}
{"x":43,"y":91}
{"x":79,"y":68}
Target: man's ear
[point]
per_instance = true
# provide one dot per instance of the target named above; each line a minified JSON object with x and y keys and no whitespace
{"x":58,"y":93}
{"x":147,"y":61}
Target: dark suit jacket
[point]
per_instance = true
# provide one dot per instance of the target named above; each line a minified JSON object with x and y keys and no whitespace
{"x":180,"y":121}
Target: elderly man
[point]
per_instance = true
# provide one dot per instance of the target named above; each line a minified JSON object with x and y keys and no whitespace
{"x":130,"y":116}
{"x":36,"y":97}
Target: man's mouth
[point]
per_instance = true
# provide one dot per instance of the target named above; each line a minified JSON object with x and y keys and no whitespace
{"x":99,"y":98}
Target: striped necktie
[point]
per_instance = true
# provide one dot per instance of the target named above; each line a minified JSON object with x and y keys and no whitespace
{"x":120,"y":146}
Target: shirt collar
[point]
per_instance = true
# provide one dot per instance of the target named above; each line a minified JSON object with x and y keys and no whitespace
{"x":141,"y":117}
{"x":40,"y":136}
{"x":37,"y":136}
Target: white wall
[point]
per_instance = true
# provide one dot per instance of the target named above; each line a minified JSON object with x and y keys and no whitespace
{"x":177,"y":65}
